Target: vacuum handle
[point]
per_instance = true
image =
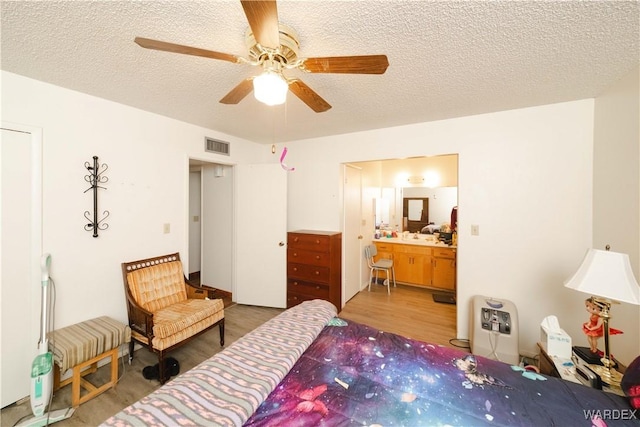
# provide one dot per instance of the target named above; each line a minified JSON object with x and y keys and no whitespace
{"x":45,"y":263}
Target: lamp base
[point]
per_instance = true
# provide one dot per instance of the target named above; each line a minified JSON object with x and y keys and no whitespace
{"x":609,"y":377}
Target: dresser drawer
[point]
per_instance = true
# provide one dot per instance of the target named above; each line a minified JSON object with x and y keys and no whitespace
{"x":308,"y":242}
{"x":316,"y":290}
{"x":444,"y":253}
{"x":311,"y":273}
{"x":295,"y":299}
{"x":301,"y":256}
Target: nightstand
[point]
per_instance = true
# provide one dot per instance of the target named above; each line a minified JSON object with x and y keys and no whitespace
{"x":558,"y":367}
{"x":555,"y":366}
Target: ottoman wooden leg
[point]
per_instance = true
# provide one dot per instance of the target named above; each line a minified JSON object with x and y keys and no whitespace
{"x":78,"y":382}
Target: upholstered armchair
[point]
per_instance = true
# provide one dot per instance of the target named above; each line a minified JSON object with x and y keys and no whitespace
{"x":165,"y":310}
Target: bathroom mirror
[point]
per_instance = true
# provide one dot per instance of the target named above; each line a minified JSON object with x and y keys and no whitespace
{"x":415,"y":209}
{"x":382,"y":211}
{"x":415,"y":213}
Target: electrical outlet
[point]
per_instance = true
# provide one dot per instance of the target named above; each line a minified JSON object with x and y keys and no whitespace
{"x":475,"y":230}
{"x":167,"y":228}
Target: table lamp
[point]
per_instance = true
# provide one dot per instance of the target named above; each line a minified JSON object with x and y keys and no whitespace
{"x":608,"y":278}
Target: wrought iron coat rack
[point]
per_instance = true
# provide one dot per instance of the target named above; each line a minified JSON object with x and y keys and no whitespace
{"x":94,"y":178}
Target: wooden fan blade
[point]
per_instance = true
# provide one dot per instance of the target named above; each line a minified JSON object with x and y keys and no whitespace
{"x":238,"y":93}
{"x":263,"y":20}
{"x":308,"y":96}
{"x":365,"y":64}
{"x":187,"y":50}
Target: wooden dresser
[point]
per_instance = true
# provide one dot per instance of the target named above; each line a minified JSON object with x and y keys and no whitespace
{"x":314,"y":267}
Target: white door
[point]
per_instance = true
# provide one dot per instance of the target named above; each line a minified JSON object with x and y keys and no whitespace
{"x":20,"y":182}
{"x":352,"y":237}
{"x":261,"y":235}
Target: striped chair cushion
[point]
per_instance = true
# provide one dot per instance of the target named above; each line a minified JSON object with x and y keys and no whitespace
{"x":78,"y":343}
{"x":183,"y":315}
{"x":158,"y":286}
{"x":162,"y":343}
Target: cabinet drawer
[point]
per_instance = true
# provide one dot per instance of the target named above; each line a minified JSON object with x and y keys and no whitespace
{"x":308,"y":242}
{"x":444,"y":253}
{"x":410,"y":249}
{"x":302,"y":256}
{"x":384,"y":247}
{"x":311,"y":273}
{"x":316,"y":290}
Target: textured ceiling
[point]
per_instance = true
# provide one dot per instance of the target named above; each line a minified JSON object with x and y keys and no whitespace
{"x":447,"y":58}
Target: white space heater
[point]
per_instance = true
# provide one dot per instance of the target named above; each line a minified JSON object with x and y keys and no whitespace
{"x":494,"y":329}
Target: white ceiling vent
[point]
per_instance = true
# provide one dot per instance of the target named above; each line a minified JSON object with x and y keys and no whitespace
{"x":215,"y":146}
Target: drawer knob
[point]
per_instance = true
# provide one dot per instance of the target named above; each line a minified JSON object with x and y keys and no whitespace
{"x":317,"y":242}
{"x":295,"y":283}
{"x":317,"y":273}
{"x":295,"y":254}
{"x":317,"y":256}
{"x":295,"y":268}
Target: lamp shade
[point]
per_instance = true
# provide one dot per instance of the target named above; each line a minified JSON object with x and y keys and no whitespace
{"x":606,"y":274}
{"x":270,"y":88}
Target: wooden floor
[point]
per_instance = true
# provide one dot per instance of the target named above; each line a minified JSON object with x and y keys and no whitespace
{"x":408,"y":311}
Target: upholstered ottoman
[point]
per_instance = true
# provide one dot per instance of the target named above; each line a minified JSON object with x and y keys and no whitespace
{"x":80,"y":347}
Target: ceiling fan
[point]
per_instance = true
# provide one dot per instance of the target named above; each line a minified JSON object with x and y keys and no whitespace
{"x":274,"y":47}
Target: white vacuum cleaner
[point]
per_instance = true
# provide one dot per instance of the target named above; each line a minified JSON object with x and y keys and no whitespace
{"x":42,"y":366}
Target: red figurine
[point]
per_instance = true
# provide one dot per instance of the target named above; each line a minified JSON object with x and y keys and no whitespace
{"x":594,"y":328}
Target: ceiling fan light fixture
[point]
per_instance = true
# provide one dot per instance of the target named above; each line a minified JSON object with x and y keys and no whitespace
{"x":270,"y":88}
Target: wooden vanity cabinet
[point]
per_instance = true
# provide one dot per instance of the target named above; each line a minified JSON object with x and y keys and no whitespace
{"x":314,"y":264}
{"x":428,"y":266}
{"x":444,"y":269}
{"x":385,"y":251}
{"x":412,"y":264}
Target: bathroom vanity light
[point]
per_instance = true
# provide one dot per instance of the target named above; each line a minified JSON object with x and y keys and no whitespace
{"x":417,"y":179}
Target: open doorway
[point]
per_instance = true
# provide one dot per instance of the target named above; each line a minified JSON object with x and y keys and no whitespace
{"x":210,"y":224}
{"x":385,"y":186}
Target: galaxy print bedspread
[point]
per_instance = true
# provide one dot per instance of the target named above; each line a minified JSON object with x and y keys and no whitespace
{"x":353,"y":375}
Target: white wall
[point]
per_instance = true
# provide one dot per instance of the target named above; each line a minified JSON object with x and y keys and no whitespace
{"x":616,"y":210}
{"x":524,"y":178}
{"x":148,"y":185}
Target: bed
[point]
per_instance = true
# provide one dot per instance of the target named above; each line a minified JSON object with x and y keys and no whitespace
{"x":308,"y":367}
